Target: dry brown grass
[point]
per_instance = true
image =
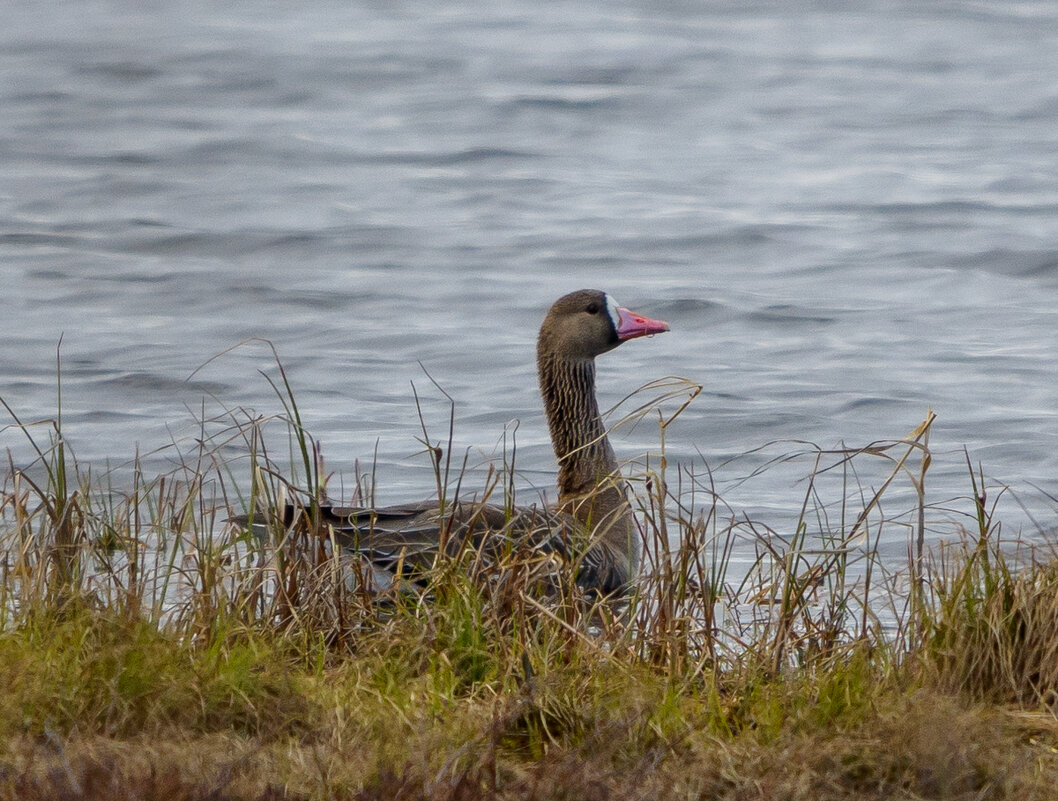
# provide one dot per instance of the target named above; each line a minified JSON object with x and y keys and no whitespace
{"x":147,"y":651}
{"x":923,"y":746}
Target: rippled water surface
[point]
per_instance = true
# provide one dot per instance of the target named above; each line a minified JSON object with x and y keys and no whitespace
{"x":849,"y":215}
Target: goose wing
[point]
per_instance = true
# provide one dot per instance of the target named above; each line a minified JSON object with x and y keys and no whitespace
{"x":406,"y":539}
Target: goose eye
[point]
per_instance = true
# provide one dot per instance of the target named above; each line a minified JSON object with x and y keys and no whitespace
{"x":593,"y":308}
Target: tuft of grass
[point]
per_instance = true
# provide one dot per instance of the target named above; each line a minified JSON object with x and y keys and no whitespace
{"x":90,"y":670}
{"x":992,"y":633}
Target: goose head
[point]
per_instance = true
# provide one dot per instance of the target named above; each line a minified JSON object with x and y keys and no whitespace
{"x":584,"y":324}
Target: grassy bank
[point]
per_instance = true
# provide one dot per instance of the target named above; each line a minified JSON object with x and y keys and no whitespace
{"x":149,"y":651}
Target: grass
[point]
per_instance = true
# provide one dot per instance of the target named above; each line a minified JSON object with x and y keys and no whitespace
{"x":149,"y":651}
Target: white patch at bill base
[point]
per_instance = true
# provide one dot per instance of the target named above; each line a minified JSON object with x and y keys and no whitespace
{"x":611,"y":309}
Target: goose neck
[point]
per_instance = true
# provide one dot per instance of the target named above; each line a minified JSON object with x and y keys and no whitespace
{"x":584,"y":454}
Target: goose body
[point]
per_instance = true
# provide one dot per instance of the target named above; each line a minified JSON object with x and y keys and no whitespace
{"x":591,"y":522}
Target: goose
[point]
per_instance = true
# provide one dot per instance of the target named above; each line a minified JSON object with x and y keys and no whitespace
{"x":591,"y":524}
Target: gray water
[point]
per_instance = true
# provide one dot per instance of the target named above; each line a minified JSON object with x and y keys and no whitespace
{"x":848,"y":212}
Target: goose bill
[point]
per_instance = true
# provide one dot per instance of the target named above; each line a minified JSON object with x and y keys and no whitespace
{"x":631,"y":325}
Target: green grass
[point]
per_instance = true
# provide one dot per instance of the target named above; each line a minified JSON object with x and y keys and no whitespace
{"x":148,"y":651}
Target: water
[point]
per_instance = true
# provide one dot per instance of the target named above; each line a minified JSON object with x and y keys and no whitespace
{"x":848,"y":213}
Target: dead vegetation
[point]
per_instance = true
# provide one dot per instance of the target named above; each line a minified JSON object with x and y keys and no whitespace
{"x":149,"y":651}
